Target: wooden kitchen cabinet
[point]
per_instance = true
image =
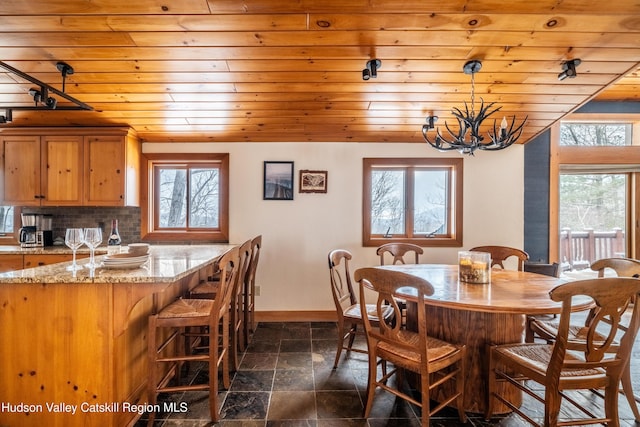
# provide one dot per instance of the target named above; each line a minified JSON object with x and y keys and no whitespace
{"x":70,"y":167}
{"x":21,"y":170}
{"x":10,"y":262}
{"x":42,"y":170}
{"x":62,"y":170}
{"x":40,"y":259}
{"x":112,"y":164}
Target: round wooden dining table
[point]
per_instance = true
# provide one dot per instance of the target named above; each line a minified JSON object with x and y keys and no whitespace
{"x":480,"y":315}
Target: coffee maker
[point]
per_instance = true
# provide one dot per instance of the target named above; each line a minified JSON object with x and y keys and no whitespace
{"x":36,"y":231}
{"x":28,"y":233}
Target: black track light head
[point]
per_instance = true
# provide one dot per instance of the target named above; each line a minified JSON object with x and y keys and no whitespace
{"x":569,"y":69}
{"x":371,"y":70}
{"x":36,"y":95}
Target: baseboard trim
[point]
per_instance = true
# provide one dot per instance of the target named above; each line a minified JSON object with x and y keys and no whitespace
{"x":296,"y":316}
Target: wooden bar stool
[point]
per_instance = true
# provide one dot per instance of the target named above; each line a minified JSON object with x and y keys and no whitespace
{"x":209,"y":290}
{"x":250,"y":289}
{"x":165,"y":358}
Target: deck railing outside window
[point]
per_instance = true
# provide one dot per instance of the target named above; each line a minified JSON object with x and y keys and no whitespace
{"x":578,"y":249}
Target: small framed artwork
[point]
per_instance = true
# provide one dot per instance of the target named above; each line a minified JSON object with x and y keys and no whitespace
{"x":278,"y":181}
{"x":313,"y":181}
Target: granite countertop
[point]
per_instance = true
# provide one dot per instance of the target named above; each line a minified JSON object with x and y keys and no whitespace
{"x":47,"y":250}
{"x":166,"y":263}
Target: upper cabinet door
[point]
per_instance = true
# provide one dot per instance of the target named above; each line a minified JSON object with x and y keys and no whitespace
{"x":21,"y":170}
{"x":62,"y":174}
{"x":104,"y":157}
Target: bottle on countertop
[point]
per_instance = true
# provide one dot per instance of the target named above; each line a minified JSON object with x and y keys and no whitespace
{"x":114,"y":241}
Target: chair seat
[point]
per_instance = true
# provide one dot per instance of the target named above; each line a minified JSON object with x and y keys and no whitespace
{"x":355,"y":312}
{"x":548,"y":329}
{"x":409,"y":359}
{"x":536,"y":357}
{"x":187,"y":308}
{"x":208,"y":287}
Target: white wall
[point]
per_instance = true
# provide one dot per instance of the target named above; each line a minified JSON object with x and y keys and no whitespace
{"x":298,"y":234}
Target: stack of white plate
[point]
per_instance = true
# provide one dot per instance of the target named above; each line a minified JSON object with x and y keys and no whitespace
{"x":124,"y":260}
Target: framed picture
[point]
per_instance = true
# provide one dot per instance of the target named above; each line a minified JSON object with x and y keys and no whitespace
{"x":278,"y":181}
{"x":313,"y":181}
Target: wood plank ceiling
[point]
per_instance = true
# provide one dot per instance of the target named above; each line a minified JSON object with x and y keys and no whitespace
{"x":274,"y":70}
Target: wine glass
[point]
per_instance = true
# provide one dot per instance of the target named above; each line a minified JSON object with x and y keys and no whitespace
{"x":74,"y":238}
{"x":92,"y":238}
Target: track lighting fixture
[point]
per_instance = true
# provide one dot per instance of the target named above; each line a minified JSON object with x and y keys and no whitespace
{"x":371,"y":70}
{"x":569,"y":69}
{"x":36,"y":95}
{"x":41,"y":95}
{"x":65,"y":69}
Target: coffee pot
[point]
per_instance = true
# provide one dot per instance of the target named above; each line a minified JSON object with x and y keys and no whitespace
{"x":30,"y":235}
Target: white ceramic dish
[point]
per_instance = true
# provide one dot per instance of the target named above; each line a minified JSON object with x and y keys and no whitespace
{"x":124,"y":257}
{"x":123,"y":266}
{"x":138,"y":248}
{"x":124,"y":261}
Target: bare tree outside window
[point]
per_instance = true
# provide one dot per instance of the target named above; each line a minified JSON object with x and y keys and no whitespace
{"x":203,"y":212}
{"x":387,"y":201}
{"x":431,"y":207}
{"x":194,"y":190}
{"x":417,"y":200}
{"x":595,"y":134}
{"x":173,"y":203}
{"x":593,"y":201}
{"x":190,"y":197}
{"x":6,"y":220}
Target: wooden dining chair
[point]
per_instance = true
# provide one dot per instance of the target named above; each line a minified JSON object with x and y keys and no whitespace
{"x":167,"y":351}
{"x":209,"y":290}
{"x":436,"y":362}
{"x":350,"y":314}
{"x":547,"y":330}
{"x":547,"y":269}
{"x":564,"y":365}
{"x":500,"y":253}
{"x":400,"y":253}
{"x":250,"y":289}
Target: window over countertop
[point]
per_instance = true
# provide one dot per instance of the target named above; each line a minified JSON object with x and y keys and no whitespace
{"x":416,"y":200}
{"x":9,"y":224}
{"x":188,"y":197}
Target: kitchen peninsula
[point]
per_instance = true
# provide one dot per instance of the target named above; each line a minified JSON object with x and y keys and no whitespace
{"x":73,"y":345}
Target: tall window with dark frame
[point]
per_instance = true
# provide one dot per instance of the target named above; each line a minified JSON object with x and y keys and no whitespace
{"x":412,"y":200}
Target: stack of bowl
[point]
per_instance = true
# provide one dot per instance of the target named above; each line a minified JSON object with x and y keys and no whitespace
{"x":138,"y":249}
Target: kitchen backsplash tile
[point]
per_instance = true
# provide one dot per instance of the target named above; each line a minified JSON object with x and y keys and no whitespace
{"x":68,"y":217}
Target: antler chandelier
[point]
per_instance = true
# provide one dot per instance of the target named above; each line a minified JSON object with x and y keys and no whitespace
{"x":468,"y":138}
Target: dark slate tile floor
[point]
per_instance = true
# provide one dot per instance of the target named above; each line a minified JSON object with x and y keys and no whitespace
{"x":286,"y":380}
